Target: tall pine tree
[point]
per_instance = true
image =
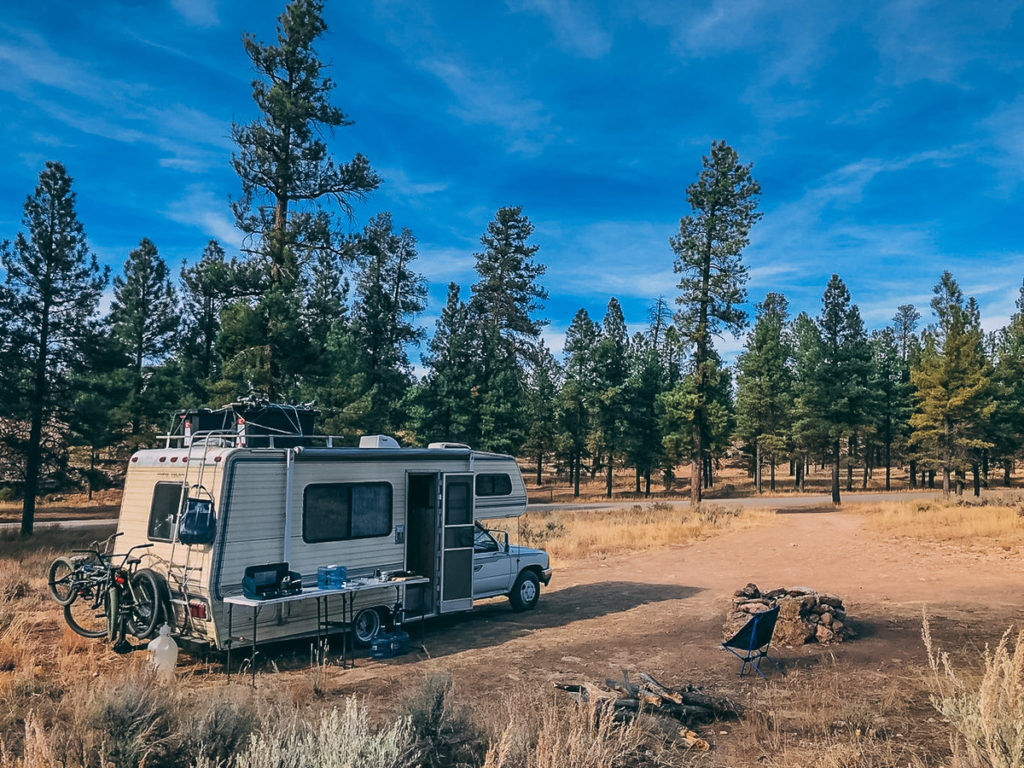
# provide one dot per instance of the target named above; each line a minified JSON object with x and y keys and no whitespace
{"x":764,"y":379}
{"x":508,"y":295}
{"x":953,"y":383}
{"x":53,"y":286}
{"x":144,"y":320}
{"x":287,"y":176}
{"x":834,"y":365}
{"x":388,"y":295}
{"x":708,"y":248}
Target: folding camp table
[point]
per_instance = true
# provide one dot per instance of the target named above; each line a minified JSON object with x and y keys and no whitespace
{"x":324,"y":624}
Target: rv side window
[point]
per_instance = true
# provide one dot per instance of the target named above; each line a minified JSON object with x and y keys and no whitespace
{"x":340,"y":511}
{"x":493,"y":485}
{"x":163,"y":515}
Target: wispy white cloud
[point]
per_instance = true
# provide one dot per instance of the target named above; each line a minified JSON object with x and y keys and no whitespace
{"x":203,"y":209}
{"x":488,"y":98}
{"x":109,"y":107}
{"x":198,"y":13}
{"x":575,"y":26}
{"x":399,"y":182}
{"x":440,"y":264}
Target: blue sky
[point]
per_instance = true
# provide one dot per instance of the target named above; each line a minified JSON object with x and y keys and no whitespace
{"x":888,"y":138}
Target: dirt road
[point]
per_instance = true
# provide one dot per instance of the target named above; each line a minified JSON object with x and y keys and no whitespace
{"x":662,"y":611}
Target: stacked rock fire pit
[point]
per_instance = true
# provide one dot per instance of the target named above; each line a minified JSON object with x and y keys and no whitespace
{"x":805,"y":616}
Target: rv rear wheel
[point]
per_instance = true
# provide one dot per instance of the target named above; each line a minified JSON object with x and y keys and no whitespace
{"x":366,"y":625}
{"x":526,"y":592}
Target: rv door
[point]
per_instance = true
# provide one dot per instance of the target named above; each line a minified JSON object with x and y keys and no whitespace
{"x":457,"y":544}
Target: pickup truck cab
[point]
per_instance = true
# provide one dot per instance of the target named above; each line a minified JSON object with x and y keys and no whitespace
{"x":501,"y":569}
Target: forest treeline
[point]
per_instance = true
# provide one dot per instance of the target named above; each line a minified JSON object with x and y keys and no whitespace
{"x":307,"y":311}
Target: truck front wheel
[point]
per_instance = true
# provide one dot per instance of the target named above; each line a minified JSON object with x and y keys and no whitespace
{"x":526,"y":592}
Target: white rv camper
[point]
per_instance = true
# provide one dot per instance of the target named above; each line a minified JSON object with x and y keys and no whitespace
{"x":376,"y":507}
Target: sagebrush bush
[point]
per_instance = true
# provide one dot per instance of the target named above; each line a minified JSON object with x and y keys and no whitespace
{"x":335,"y":739}
{"x":986,"y":712}
{"x":444,"y":731}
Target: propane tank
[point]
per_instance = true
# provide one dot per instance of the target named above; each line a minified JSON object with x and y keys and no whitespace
{"x":163,"y":654}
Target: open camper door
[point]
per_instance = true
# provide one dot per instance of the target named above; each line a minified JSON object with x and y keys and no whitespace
{"x":457,"y":544}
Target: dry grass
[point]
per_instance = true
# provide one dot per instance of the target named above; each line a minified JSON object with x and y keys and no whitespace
{"x":995,"y":520}
{"x":534,"y":730}
{"x":986,"y":707}
{"x":583,"y":534}
{"x":816,"y":720}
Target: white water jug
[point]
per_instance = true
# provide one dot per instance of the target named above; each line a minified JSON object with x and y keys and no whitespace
{"x":163,"y":654}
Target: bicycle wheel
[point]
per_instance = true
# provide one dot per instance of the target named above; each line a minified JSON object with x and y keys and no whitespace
{"x":145,"y":610}
{"x":88,"y":616}
{"x":62,"y":579}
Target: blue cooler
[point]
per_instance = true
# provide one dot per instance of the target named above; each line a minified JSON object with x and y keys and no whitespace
{"x":387,"y":645}
{"x":331,"y":576}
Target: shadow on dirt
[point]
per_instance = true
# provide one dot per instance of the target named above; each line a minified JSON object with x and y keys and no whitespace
{"x":494,"y":622}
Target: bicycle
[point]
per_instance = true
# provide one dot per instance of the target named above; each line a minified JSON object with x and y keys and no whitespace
{"x":102,"y":597}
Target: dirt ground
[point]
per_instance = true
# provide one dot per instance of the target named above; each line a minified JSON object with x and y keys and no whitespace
{"x":662,"y":612}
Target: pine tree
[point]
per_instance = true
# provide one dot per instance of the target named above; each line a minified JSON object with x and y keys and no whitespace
{"x":708,"y":248}
{"x":648,"y":378}
{"x":611,"y":366}
{"x":764,"y":378}
{"x":542,"y":388}
{"x":53,"y":285}
{"x":507,"y":295}
{"x":388,"y":295}
{"x":208,"y":286}
{"x":953,"y":382}
{"x":577,"y":397}
{"x":834,"y":366}
{"x":144,"y":319}
{"x":325,"y":300}
{"x":1008,"y":435}
{"x":287,"y":175}
{"x":891,"y":387}
{"x":447,"y":399}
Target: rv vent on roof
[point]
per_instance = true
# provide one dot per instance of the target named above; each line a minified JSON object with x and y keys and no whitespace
{"x":434,"y":446}
{"x":378,"y":441}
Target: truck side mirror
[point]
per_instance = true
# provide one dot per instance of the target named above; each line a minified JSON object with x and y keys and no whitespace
{"x":504,"y":536}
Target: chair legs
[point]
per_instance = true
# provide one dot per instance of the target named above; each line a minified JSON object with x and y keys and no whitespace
{"x":753,"y":659}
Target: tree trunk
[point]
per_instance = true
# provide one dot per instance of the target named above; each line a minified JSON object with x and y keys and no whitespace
{"x":647,"y":483}
{"x":835,"y":473}
{"x":851,"y":446}
{"x":92,"y":468}
{"x":945,"y":479}
{"x":975,"y":470}
{"x":540,"y":462}
{"x":608,"y":478}
{"x":888,"y":464}
{"x":792,"y":467}
{"x":913,"y":473}
{"x":931,"y":478}
{"x":799,"y":482}
{"x":757,"y":465}
{"x":697,"y":469}
{"x":709,"y":475}
{"x":1006,"y":472}
{"x":576,"y":478}
{"x":771,"y":481}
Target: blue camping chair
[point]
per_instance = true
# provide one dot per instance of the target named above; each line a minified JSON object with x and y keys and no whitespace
{"x":753,"y":640}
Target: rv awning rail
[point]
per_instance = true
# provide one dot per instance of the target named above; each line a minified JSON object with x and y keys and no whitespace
{"x":226,"y":438}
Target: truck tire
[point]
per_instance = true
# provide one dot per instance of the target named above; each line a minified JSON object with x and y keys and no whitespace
{"x":526,"y":592}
